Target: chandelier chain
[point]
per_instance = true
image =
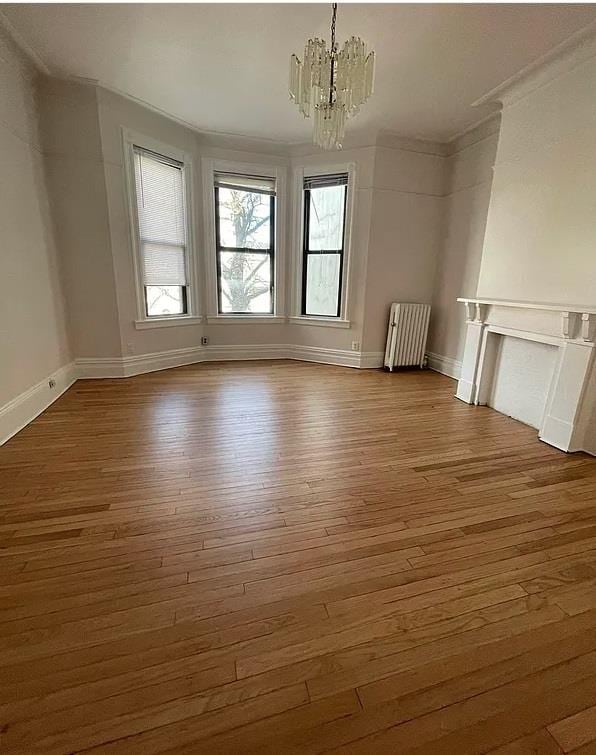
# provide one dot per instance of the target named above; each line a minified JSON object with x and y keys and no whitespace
{"x":332,"y":56}
{"x":333,"y":18}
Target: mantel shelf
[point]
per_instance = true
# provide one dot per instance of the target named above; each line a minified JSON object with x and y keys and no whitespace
{"x":531,"y":305}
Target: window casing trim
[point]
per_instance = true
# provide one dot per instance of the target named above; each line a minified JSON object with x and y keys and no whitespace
{"x":296,"y":313}
{"x":130,"y":140}
{"x":210,"y":166}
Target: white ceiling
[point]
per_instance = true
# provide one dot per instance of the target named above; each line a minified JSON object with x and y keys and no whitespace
{"x":223,"y":67}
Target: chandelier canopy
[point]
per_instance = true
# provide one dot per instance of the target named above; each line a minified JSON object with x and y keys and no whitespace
{"x":333,"y":83}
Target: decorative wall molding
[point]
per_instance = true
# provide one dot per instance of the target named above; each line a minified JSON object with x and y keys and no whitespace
{"x":444,"y":365}
{"x":24,"y":408}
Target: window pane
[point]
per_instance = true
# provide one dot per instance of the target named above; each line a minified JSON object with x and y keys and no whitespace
{"x":322,"y":284}
{"x":326,"y":220}
{"x":245,"y":282}
{"x":165,"y":300}
{"x":244,"y":219}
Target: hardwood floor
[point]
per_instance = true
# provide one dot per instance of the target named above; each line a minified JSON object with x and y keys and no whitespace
{"x":285,"y":557}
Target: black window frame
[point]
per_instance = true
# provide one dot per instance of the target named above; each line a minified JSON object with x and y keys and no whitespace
{"x":306,"y":251}
{"x":163,"y":317}
{"x":219,"y":248}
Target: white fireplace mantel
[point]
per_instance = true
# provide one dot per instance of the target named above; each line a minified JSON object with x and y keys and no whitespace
{"x":569,"y":421}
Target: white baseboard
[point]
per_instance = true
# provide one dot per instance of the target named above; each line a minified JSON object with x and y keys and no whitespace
{"x":23,"y":408}
{"x":135,"y":365}
{"x":444,"y":365}
{"x":371,"y":360}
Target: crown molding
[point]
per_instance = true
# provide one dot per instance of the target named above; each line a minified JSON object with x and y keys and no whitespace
{"x":476,"y":133}
{"x":566,"y":56}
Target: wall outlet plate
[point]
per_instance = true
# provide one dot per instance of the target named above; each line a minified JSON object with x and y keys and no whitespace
{"x":204,"y":341}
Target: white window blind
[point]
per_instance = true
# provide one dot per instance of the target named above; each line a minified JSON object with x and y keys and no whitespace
{"x":330,"y":179}
{"x":255,"y":184}
{"x":162,"y":218}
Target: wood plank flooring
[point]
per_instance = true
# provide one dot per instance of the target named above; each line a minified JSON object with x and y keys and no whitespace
{"x":285,"y":557}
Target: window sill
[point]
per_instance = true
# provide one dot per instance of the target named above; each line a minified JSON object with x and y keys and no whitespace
{"x":326,"y":322}
{"x":167,"y":322}
{"x":246,"y":319}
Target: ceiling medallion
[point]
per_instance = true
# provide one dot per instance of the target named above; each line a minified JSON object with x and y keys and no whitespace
{"x":332,"y":82}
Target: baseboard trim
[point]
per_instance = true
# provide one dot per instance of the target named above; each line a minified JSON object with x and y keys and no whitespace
{"x":24,"y":408}
{"x":135,"y":365}
{"x":138,"y":364}
{"x":444,"y":365}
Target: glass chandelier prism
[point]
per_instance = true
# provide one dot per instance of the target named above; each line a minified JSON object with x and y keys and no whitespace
{"x":332,"y":83}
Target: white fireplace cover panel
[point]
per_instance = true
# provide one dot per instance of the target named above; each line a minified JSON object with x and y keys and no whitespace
{"x":522,"y":377}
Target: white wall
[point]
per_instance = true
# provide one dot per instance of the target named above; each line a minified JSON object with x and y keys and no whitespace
{"x":405,"y":230}
{"x":469,"y":178}
{"x":33,"y":337}
{"x":541,"y":233}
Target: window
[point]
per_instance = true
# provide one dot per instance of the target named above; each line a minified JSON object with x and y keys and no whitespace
{"x":323,"y":244}
{"x":161,"y":213}
{"x":244,"y":241}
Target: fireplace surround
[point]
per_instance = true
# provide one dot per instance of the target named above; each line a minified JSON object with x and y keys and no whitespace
{"x":569,"y":418}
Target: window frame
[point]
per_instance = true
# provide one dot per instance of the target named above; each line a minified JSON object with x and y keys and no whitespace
{"x":301,"y":172}
{"x":306,"y":252}
{"x":219,"y":248}
{"x":209,"y":167}
{"x":131,"y":140}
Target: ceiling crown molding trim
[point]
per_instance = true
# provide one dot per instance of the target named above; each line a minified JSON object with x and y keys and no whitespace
{"x":483,"y":129}
{"x":392,"y":140}
{"x":566,"y":56}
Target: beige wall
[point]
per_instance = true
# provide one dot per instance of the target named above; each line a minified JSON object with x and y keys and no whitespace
{"x":404,"y":233}
{"x":115,"y":112}
{"x":90,"y":120}
{"x":74,"y":167}
{"x":541,"y":233}
{"x":469,"y":177}
{"x":33,"y":338}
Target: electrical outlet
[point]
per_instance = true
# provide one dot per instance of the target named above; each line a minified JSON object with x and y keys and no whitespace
{"x":51,"y":383}
{"x":204,"y":341}
{"x":355,"y":345}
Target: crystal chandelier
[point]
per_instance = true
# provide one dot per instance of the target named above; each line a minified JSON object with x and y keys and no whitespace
{"x":333,"y":83}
